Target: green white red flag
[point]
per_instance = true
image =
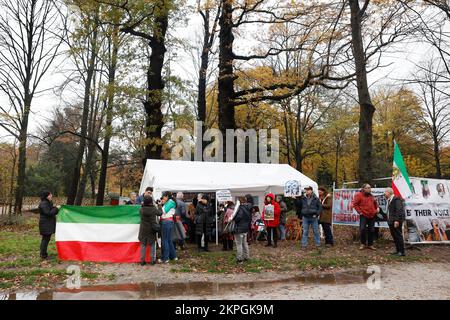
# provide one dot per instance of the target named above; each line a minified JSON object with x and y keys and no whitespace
{"x":104,"y":233}
{"x":400,"y":179}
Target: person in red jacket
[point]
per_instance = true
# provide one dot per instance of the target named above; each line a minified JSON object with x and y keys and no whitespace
{"x":271,"y":221}
{"x":367,"y":207}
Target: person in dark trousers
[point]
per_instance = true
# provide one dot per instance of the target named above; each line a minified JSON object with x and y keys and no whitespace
{"x":243,"y":220}
{"x":283,"y":212}
{"x":271,"y":222}
{"x":326,"y":216}
{"x":227,"y":237}
{"x":47,"y":221}
{"x":311,"y":208}
{"x":203,"y":220}
{"x":191,"y":222}
{"x":366,"y":206}
{"x":147,"y":235}
{"x":395,"y":218}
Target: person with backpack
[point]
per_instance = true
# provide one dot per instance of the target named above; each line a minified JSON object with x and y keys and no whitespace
{"x":242,"y":222}
{"x":148,"y":229}
{"x":271,"y":221}
{"x":395,"y":218}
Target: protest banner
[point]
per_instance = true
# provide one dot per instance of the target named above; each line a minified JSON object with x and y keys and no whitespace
{"x":428,"y":211}
{"x":343,"y":211}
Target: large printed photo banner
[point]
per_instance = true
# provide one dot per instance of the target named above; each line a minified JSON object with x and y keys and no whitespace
{"x":428,"y":211}
{"x":343,"y":211}
{"x":430,"y":190}
{"x":427,"y":222}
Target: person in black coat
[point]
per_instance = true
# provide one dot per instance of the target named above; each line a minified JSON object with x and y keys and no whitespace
{"x":147,"y":235}
{"x":243,"y":220}
{"x":203,"y":220}
{"x":47,"y":221}
{"x":395,"y":218}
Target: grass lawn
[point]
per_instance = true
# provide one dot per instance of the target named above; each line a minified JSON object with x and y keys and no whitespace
{"x":22,"y":269}
{"x":20,"y":264}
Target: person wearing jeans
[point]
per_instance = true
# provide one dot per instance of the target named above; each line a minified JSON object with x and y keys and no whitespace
{"x":311,"y":208}
{"x":167,"y":225}
{"x":168,"y":248}
{"x":243,"y":220}
{"x":366,"y":206}
{"x":306,"y":222}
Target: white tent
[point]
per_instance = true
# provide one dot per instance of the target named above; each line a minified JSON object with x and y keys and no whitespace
{"x":240,"y":178}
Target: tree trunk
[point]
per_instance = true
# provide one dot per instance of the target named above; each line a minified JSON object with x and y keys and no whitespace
{"x":109,"y":117}
{"x":226,"y":77}
{"x":336,"y":164}
{"x":84,"y":121}
{"x":201,"y":101}
{"x":155,"y":86}
{"x":437,"y":158}
{"x":365,"y":104}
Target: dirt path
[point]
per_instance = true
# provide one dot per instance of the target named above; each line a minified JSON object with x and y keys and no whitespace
{"x":400,"y":281}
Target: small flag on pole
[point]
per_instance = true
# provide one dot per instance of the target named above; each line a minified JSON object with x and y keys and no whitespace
{"x":400,"y":179}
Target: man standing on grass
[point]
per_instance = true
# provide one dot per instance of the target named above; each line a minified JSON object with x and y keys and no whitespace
{"x":366,"y":206}
{"x":395,"y":218}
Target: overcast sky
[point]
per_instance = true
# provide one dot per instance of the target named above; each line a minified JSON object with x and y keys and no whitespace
{"x":401,"y":66}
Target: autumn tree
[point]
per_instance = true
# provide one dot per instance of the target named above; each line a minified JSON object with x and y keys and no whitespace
{"x":28,"y":48}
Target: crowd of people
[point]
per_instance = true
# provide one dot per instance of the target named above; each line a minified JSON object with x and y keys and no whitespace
{"x":174,"y":222}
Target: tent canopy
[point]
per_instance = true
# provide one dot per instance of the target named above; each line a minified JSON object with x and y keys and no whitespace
{"x":239,"y":178}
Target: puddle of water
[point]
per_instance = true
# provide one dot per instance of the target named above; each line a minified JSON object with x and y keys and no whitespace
{"x":152,"y":290}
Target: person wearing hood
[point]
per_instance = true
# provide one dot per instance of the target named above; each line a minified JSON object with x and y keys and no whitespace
{"x":311,"y":208}
{"x":47,"y":221}
{"x":271,"y":221}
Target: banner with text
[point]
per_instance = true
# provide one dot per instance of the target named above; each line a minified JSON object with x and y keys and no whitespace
{"x":427,"y":211}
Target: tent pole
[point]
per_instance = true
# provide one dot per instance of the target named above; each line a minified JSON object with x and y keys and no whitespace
{"x":217,"y":231}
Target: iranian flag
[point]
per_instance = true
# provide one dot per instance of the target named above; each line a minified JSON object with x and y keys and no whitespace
{"x":104,"y":233}
{"x":400,"y":179}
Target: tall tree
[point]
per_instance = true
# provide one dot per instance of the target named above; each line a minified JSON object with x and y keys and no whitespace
{"x":28,"y":48}
{"x":85,"y":56}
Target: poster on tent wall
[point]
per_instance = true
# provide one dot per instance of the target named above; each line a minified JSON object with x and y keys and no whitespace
{"x":343,"y":211}
{"x":428,"y":211}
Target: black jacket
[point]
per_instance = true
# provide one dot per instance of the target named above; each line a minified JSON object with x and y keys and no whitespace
{"x":243,"y":218}
{"x":313,"y":209}
{"x":203,"y":216}
{"x":396,"y":210}
{"x":47,"y":217}
{"x":148,"y":218}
